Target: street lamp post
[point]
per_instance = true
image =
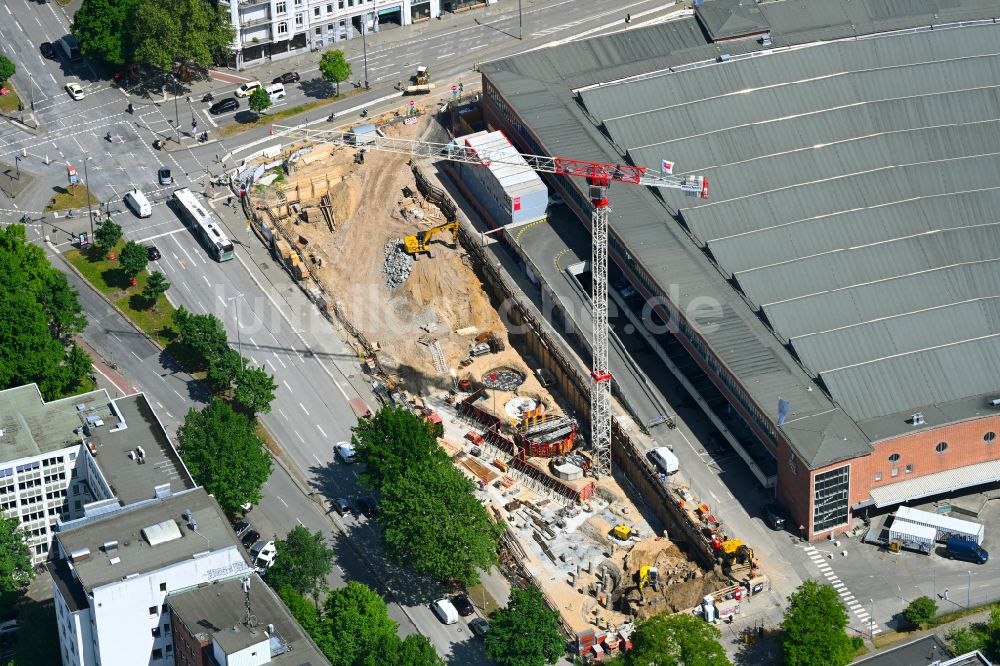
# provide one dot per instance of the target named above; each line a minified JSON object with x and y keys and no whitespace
{"x":520,"y":22}
{"x":871,"y":619}
{"x":968,"y":594}
{"x":177,"y":113}
{"x":86,"y":186}
{"x":17,"y":166}
{"x":364,"y":46}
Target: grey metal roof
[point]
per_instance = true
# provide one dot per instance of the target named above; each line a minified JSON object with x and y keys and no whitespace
{"x":727,"y":19}
{"x":853,"y":184}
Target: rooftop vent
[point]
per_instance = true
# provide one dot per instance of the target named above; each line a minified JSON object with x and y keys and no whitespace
{"x":193,"y":524}
{"x":110,"y":546}
{"x":161,"y":532}
{"x":115,"y":560}
{"x":80,"y":555}
{"x":765,"y":40}
{"x":995,"y":402}
{"x":187,"y":514}
{"x":917,"y":419}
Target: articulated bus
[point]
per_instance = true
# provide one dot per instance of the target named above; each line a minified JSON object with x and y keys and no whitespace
{"x":204,"y":224}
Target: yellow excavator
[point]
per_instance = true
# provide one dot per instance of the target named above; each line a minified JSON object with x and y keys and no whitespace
{"x":420,"y":242}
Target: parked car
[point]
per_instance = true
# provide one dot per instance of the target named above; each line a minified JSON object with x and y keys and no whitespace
{"x":665,"y":460}
{"x":774,"y":517}
{"x":152,"y":253}
{"x":75,"y":90}
{"x":463,"y":605}
{"x":250,"y":538}
{"x":224,"y":106}
{"x":247,"y":88}
{"x":241,"y":527}
{"x":287,"y":77}
{"x":480,"y":627}
{"x":48,"y":51}
{"x":263,"y":553}
{"x":8,"y":627}
{"x":345,"y":452}
{"x":968,"y":551}
{"x":445,"y":611}
{"x":164,"y":176}
{"x":342,"y":506}
{"x":367,"y":506}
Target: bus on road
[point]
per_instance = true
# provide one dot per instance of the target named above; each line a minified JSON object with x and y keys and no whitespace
{"x":204,"y":224}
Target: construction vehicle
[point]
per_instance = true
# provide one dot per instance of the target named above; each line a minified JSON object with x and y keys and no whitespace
{"x":648,"y":575}
{"x":420,"y":82}
{"x":599,"y":177}
{"x":622,"y":532}
{"x":420,"y":242}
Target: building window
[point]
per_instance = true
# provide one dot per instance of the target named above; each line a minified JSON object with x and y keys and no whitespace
{"x":281,"y":7}
{"x":283,"y":28}
{"x":894,"y":471}
{"x":941,"y":447}
{"x":319,"y":32}
{"x":156,"y":632}
{"x":166,"y":628}
{"x":989,"y":437}
{"x":894,"y":458}
{"x":831,"y":498}
{"x":340,"y":4}
{"x":908,"y":469}
{"x":316,"y":11}
{"x":157,"y":653}
{"x":878,"y":476}
{"x":72,"y":456}
{"x":329,"y":8}
{"x":152,"y":610}
{"x":793,"y":464}
{"x":170,"y":648}
{"x":165,"y":609}
{"x":300,"y":19}
{"x":163,"y":587}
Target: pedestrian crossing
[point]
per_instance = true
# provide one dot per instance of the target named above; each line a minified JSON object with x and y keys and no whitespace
{"x":852,"y":604}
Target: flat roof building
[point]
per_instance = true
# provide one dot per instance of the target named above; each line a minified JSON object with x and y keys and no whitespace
{"x":79,"y":456}
{"x":850,"y":246}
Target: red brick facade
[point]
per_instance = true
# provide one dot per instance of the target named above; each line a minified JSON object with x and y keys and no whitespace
{"x":188,"y":650}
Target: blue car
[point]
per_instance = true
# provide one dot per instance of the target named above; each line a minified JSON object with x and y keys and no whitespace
{"x":968,"y":551}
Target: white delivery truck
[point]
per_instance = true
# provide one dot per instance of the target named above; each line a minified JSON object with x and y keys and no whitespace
{"x":945,"y":526}
{"x":904,"y":534}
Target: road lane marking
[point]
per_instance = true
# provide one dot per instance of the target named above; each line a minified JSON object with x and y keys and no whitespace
{"x":283,"y":414}
{"x":299,"y":436}
{"x":304,"y":409}
{"x":320,"y":430}
{"x":316,"y":457}
{"x":270,"y":365}
{"x":287,"y":386}
{"x":282,"y":501}
{"x":278,"y":358}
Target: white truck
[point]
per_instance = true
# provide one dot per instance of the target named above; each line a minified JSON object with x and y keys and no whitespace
{"x":945,"y":526}
{"x":904,"y":534}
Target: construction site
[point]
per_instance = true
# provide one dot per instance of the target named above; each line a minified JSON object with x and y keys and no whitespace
{"x":391,"y":260}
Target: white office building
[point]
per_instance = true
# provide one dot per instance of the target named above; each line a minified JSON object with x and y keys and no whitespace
{"x":274,"y":29}
{"x":113,"y":574}
{"x":79,"y":456}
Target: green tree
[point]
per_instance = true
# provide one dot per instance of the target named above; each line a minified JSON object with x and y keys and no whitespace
{"x":7,"y":69}
{"x":526,"y":632}
{"x":16,"y":571}
{"x":224,"y":453}
{"x":391,"y":442}
{"x":204,"y":334}
{"x":920,"y":611}
{"x":108,"y":235}
{"x":432,"y":521}
{"x":963,"y":640}
{"x":259,"y":101}
{"x":39,"y":313}
{"x":304,"y":563}
{"x":255,"y":390}
{"x":156,"y":286}
{"x":305,"y":613}
{"x":333,"y":66}
{"x":192,"y":33}
{"x":359,"y":625}
{"x":991,"y":633}
{"x":101,"y":27}
{"x":416,"y":650}
{"x":223,"y":369}
{"x":133,"y":259}
{"x":814,"y":627}
{"x":676,"y":640}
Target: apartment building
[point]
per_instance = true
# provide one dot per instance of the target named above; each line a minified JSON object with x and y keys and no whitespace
{"x":112,"y":574}
{"x":274,"y":29}
{"x":80,"y":456}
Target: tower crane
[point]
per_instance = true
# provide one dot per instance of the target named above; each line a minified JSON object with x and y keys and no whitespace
{"x":599,"y":177}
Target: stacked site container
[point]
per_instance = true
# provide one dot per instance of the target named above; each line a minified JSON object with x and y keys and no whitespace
{"x":510,"y":193}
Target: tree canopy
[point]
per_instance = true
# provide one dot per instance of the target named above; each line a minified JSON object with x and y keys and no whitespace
{"x":358,"y":626}
{"x":814,"y":627}
{"x":333,"y":67}
{"x":920,"y":611}
{"x":304,"y":563}
{"x":676,"y":640}
{"x":391,"y":442}
{"x":416,"y":650}
{"x":133,"y":259}
{"x":38,"y":314}
{"x":203,"y":334}
{"x":108,"y":235}
{"x":259,"y":101}
{"x":7,"y":69}
{"x":16,"y":571}
{"x":156,"y":286}
{"x":102,"y":28}
{"x":224,"y":453}
{"x":432,"y":521}
{"x":223,"y":370}
{"x":254,"y":390}
{"x":526,"y":632}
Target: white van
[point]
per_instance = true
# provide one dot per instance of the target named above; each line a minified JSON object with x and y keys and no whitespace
{"x":247,"y":88}
{"x":445,"y":610}
{"x":276,"y":91}
{"x":138,"y":203}
{"x":665,"y":460}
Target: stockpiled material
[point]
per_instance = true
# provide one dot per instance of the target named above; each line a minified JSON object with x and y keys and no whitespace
{"x":398,"y":265}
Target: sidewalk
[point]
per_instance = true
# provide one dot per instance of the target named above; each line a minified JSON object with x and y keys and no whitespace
{"x":107,"y":373}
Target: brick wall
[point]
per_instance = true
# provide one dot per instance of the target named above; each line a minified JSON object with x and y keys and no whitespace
{"x":188,"y":650}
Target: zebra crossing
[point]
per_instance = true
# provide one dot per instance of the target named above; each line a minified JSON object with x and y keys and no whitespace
{"x":852,"y":604}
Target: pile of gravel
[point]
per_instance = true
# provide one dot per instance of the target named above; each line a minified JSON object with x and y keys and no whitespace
{"x":398,"y":264}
